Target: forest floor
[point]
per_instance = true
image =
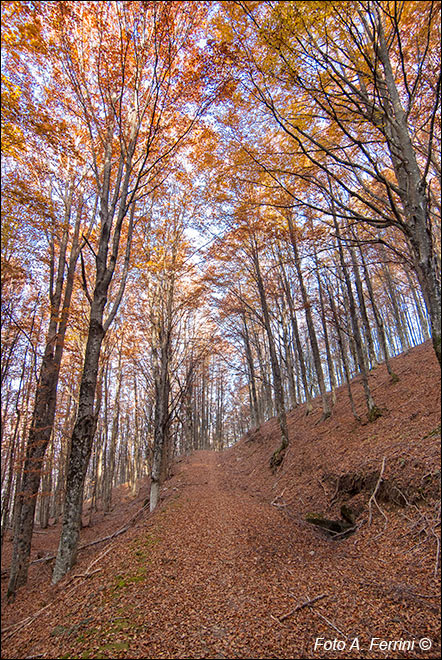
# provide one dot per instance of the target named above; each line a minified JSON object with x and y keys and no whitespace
{"x":223,"y":567}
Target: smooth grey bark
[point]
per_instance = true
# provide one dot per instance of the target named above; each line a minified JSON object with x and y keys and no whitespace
{"x":377,"y":315}
{"x":161,"y":355}
{"x":363,"y":309}
{"x":110,"y":458}
{"x":412,"y":187}
{"x":397,"y":315}
{"x":373,"y":411}
{"x":344,"y":357}
{"x":421,"y":315}
{"x":255,"y":416}
{"x":309,"y":318}
{"x":295,"y":329}
{"x":278,"y":455}
{"x":330,"y":365}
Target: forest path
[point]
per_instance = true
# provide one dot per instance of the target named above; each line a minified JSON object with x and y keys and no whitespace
{"x":206,"y":576}
{"x":222,"y":573}
{"x":217,"y":571}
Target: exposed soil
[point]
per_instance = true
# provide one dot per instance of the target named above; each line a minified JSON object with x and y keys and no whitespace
{"x":220,"y":568}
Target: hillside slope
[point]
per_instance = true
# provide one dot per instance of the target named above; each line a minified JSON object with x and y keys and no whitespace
{"x":225,"y":566}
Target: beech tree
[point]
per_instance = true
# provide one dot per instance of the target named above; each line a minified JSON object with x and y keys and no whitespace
{"x":191,"y":248}
{"x":355,"y":87}
{"x":127,"y":83}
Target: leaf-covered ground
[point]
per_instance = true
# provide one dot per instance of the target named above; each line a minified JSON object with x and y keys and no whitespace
{"x":219,"y":570}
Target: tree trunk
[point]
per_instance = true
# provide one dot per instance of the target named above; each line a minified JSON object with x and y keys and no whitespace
{"x":363,"y":309}
{"x":343,"y":353}
{"x":278,"y":456}
{"x":255,"y":416}
{"x":43,"y":414}
{"x":310,"y":325}
{"x":295,"y":329}
{"x":373,"y":411}
{"x":412,"y":191}
{"x":378,"y":318}
{"x":81,"y":444}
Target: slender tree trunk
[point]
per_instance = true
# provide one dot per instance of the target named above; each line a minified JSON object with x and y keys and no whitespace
{"x":373,"y":411}
{"x":295,"y":329}
{"x":310,"y":324}
{"x":398,"y":320}
{"x":363,"y":310}
{"x":422,"y":319}
{"x":378,"y":317}
{"x":343,"y":353}
{"x":331,"y":369}
{"x":252,"y":379}
{"x":278,"y":455}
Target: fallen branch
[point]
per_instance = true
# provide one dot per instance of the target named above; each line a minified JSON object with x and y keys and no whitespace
{"x":336,"y":535}
{"x":307,"y":603}
{"x":16,"y":627}
{"x":86,"y":575}
{"x":275,"y":502}
{"x":332,"y":625}
{"x":88,"y":545}
{"x":322,"y":486}
{"x":373,"y":496}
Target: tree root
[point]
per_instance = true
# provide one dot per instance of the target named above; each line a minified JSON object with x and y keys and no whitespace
{"x":277,"y":458}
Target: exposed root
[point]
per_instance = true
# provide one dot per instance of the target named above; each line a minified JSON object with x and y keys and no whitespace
{"x":277,"y":458}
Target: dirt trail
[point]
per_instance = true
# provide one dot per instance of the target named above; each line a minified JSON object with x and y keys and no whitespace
{"x":210,"y":574}
{"x":224,"y":574}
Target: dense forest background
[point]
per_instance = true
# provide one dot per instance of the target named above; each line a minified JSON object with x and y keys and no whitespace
{"x":212,"y":212}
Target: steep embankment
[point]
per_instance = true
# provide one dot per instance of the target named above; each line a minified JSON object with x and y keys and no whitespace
{"x":222,"y":568}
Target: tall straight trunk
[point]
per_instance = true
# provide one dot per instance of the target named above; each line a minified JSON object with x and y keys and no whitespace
{"x":265,"y":400}
{"x":377,"y":315}
{"x":161,"y":363}
{"x":289,"y":365}
{"x":110,"y":467}
{"x":81,"y":444}
{"x":46,"y":489}
{"x":310,"y":324}
{"x":421,"y":315}
{"x":391,"y":289}
{"x":363,"y":309}
{"x":330,"y":365}
{"x":44,"y":407}
{"x":295,"y":329}
{"x":278,"y":455}
{"x":87,"y":413}
{"x":7,"y":489}
{"x":373,"y":411}
{"x":343,"y":353}
{"x":255,"y":416}
{"x":412,"y":189}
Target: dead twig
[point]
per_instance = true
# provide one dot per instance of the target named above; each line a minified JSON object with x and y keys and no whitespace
{"x":86,"y":575}
{"x":88,"y":545}
{"x":322,"y":486}
{"x":300,"y":607}
{"x":281,"y":504}
{"x":332,"y":625}
{"x":335,"y":494}
{"x":373,"y":500}
{"x":16,"y":627}
{"x":437,"y":522}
